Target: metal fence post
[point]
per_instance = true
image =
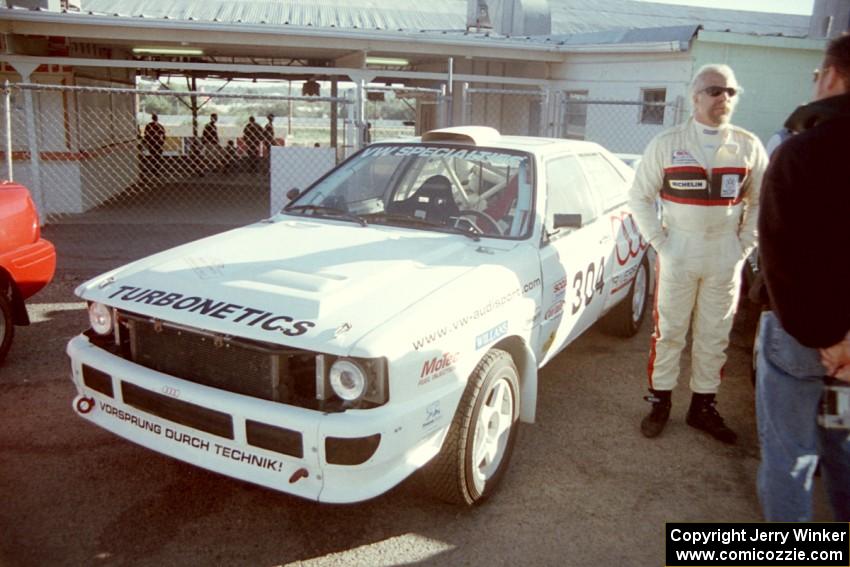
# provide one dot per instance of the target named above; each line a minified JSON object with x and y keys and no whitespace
{"x":35,"y":165}
{"x":360,"y":115}
{"x":7,"y":116}
{"x":464,"y":104}
{"x":442,"y":115}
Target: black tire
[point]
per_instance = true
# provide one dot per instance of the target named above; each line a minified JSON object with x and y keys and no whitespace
{"x":454,"y":475}
{"x":7,"y":327}
{"x":625,"y":319}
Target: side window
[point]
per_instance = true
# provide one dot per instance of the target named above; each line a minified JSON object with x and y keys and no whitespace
{"x":605,"y":181}
{"x":575,"y":115}
{"x":652,"y":109}
{"x":567,"y":191}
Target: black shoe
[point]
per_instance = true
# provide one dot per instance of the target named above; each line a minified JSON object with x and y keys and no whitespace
{"x":703,"y":415}
{"x":653,"y":424}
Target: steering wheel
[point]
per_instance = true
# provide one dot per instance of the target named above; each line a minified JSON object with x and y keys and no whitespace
{"x":480,"y":215}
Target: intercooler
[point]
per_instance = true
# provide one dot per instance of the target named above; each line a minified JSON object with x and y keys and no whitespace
{"x":236,"y":365}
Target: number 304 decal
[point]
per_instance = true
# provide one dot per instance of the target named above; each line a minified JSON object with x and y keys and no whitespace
{"x":588,"y":284}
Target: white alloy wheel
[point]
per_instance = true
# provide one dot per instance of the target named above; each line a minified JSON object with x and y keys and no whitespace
{"x":480,"y":441}
{"x":492,"y":431}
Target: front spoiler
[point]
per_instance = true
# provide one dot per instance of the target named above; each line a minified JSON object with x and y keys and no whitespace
{"x":406,"y":444}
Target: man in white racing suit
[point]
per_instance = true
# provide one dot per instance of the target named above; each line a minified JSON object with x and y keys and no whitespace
{"x":706,"y":175}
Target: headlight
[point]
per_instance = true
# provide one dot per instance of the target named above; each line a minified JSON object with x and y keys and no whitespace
{"x":100,"y":318}
{"x":347,"y":380}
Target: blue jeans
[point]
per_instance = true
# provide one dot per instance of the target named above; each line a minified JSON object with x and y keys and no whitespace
{"x":789,"y":384}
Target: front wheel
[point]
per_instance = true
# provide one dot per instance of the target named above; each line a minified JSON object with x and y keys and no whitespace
{"x":626,"y":318}
{"x":481,"y":438}
{"x":7,"y":327}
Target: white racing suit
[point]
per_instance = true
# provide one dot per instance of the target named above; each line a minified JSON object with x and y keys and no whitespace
{"x":707,"y":227}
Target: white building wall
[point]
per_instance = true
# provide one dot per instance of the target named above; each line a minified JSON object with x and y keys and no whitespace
{"x":621,"y":77}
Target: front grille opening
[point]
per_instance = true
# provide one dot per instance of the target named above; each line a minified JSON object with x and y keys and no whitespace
{"x":98,"y":381}
{"x":277,"y":439}
{"x":178,"y":411}
{"x":259,"y":370}
{"x":351,"y":451}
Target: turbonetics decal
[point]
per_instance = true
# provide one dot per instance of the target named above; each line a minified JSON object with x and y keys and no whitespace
{"x":248,"y":316}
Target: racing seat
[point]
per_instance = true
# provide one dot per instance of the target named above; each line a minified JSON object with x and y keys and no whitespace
{"x":433,"y":201}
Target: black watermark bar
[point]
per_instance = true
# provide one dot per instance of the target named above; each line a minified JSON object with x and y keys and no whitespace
{"x":812,"y":544}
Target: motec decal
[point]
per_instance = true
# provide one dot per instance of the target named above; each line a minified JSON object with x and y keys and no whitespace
{"x":437,"y":366}
{"x":248,"y":316}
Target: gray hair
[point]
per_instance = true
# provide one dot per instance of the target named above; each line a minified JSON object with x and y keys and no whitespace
{"x":714,"y":69}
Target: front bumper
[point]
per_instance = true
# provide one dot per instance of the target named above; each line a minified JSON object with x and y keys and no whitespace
{"x":32,"y":266}
{"x":281,"y":447}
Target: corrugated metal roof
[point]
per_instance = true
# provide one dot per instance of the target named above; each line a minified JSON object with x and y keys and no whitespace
{"x":350,"y":14}
{"x":680,"y":34}
{"x":568,"y":16}
{"x":578,"y":16}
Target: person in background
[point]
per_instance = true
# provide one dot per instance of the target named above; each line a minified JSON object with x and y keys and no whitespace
{"x":803,"y":344}
{"x":154,"y":137}
{"x":268,"y":135}
{"x":252,"y":135}
{"x":707,"y":174}
{"x":209,"y":137}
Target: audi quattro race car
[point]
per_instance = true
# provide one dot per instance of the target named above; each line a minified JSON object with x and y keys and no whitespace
{"x":391,"y":318}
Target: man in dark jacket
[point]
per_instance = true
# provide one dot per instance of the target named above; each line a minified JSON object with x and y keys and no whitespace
{"x":803,"y":344}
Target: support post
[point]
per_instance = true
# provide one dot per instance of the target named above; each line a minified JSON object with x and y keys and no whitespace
{"x":7,"y":116}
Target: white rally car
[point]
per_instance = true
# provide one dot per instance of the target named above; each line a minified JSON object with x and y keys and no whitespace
{"x":392,"y":317}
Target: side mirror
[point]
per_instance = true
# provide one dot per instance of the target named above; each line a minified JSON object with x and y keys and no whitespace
{"x":569,"y":220}
{"x":293,"y":193}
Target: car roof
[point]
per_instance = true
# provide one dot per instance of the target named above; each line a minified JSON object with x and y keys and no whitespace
{"x":481,"y":136}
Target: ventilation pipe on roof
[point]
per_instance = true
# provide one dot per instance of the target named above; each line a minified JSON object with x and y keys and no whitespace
{"x":509,"y":17}
{"x":829,"y":18}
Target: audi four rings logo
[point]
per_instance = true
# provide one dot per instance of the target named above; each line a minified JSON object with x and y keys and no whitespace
{"x":171,"y":391}
{"x":632,"y":242}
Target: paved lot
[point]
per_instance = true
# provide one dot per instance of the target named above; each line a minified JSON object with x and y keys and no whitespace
{"x":584,"y":487}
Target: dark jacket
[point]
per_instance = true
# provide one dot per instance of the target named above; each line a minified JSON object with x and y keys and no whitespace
{"x":804,"y":224}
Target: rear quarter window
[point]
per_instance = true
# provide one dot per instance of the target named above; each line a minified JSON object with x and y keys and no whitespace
{"x":606,"y":182}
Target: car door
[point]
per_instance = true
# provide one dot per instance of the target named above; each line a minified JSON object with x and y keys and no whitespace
{"x":572,"y":257}
{"x":625,"y":248}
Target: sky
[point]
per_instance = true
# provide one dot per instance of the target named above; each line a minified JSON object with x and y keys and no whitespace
{"x":803,"y":7}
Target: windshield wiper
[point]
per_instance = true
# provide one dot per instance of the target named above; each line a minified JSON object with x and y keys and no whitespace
{"x":416,"y":221}
{"x":329,"y":212}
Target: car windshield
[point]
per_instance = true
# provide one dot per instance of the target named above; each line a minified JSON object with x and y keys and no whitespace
{"x":482,"y":191}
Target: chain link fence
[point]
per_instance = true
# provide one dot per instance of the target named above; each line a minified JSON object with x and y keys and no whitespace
{"x":101,"y":166}
{"x":624,"y":127}
{"x":511,"y":111}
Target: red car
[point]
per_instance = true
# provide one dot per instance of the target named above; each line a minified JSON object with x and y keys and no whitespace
{"x":27,"y":261}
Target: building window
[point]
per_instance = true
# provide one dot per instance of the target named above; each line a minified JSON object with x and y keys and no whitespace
{"x":575,"y":115}
{"x":649,"y":112}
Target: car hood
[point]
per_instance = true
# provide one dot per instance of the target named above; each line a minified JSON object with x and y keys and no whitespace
{"x":312,"y":284}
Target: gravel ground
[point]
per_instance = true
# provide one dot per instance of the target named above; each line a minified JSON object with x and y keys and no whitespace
{"x":584,"y":487}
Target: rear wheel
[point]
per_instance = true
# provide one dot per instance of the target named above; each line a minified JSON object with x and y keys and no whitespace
{"x":7,"y":327}
{"x":481,"y":438}
{"x":626,"y":318}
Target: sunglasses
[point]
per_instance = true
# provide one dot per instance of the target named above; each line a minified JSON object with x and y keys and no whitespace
{"x":717,"y":91}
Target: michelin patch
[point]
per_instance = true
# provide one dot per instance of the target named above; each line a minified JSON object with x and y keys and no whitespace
{"x":688,"y":184}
